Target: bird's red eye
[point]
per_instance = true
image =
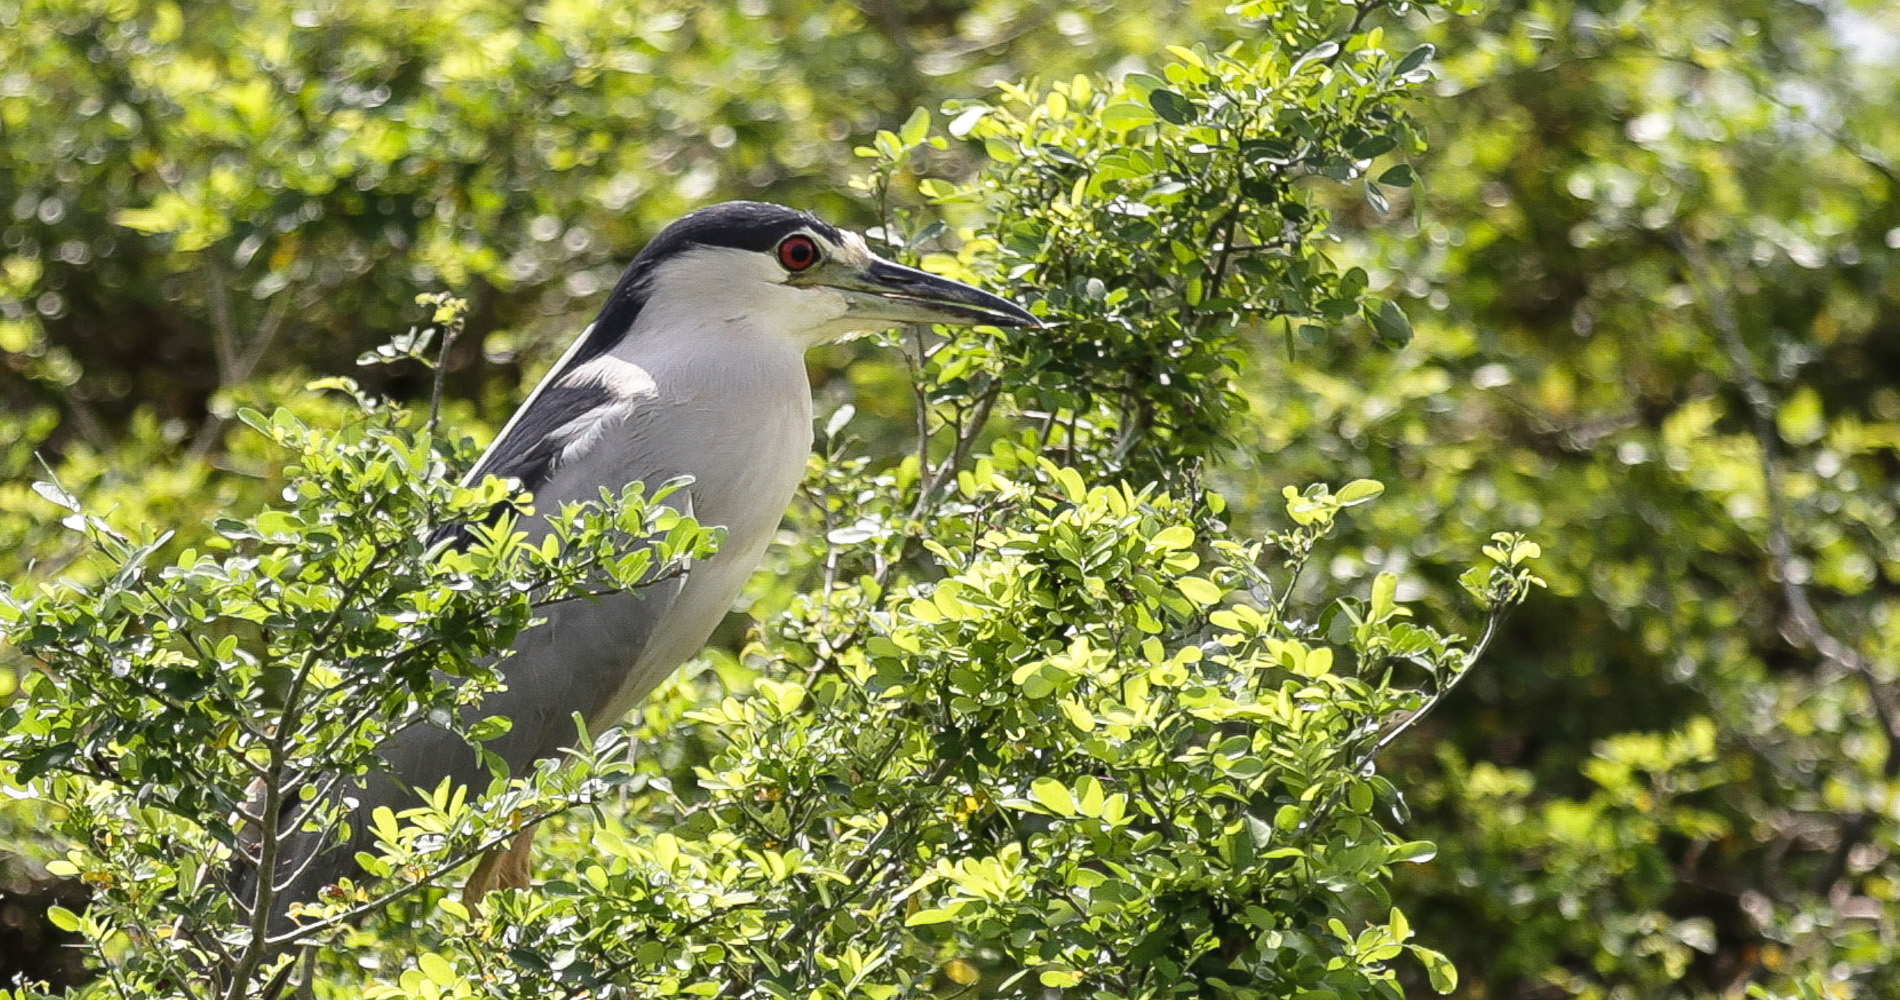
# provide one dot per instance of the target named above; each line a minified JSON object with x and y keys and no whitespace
{"x":797,"y":252}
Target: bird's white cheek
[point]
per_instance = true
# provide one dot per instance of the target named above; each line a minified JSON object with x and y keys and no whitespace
{"x":827,"y":306}
{"x":823,"y":314}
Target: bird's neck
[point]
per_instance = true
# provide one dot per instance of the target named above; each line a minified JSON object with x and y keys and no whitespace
{"x":732,"y":363}
{"x":744,"y":393}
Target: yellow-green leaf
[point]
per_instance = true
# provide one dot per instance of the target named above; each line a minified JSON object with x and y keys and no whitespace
{"x":62,"y":918}
{"x":1054,"y":795}
{"x":437,"y":969}
{"x":937,"y":915}
{"x":1199,"y":590}
{"x":1359,"y":491}
{"x":1178,"y":536}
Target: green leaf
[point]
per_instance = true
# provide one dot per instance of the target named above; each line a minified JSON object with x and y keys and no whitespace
{"x":1287,"y":818}
{"x":1414,"y":59}
{"x":938,"y":915}
{"x":1171,"y":538}
{"x":1172,"y":107}
{"x":1093,"y":795}
{"x":1401,"y":927}
{"x":1391,"y":324}
{"x":1375,"y":147}
{"x":1125,"y":115}
{"x":42,"y":761}
{"x":666,"y":849}
{"x":490,"y":728}
{"x":1074,"y":487}
{"x":1477,"y":582}
{"x":786,"y":697}
{"x":1359,"y":491}
{"x":1438,"y":968}
{"x":63,"y":918}
{"x":438,"y":969}
{"x":1199,"y":590}
{"x":1398,"y":175}
{"x":1385,"y":589}
{"x":1078,"y":716}
{"x":916,"y":128}
{"x":1054,"y":795}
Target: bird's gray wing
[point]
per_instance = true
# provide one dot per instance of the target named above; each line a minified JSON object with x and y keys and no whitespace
{"x":561,"y":420}
{"x":572,"y":411}
{"x":580,"y":430}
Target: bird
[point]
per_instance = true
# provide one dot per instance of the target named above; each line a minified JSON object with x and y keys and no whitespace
{"x":693,"y":368}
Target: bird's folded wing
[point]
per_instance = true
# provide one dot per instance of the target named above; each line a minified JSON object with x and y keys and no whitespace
{"x":571,"y":412}
{"x":558,"y":424}
{"x":581,"y":430}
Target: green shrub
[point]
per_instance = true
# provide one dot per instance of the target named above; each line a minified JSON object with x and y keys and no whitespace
{"x":1042,"y":721}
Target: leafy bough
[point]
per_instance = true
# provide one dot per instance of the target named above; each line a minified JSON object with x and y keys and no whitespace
{"x":199,"y":713}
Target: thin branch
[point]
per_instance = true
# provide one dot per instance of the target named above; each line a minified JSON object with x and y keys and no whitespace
{"x":920,"y":401}
{"x":859,"y":878}
{"x":235,"y":366}
{"x":1437,"y":697}
{"x":375,"y":904}
{"x":1361,"y":11}
{"x":967,"y":433}
{"x":451,"y":329}
{"x":1471,"y":660}
{"x":223,"y":330}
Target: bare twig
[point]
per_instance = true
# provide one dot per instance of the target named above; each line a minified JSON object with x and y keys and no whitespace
{"x":935,"y":481}
{"x":451,"y":329}
{"x":235,"y":364}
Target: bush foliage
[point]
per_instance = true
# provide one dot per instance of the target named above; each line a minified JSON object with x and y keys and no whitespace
{"x":1055,"y":685}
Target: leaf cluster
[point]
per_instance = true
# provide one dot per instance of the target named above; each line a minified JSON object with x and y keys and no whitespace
{"x":194,"y":711}
{"x":1166,"y":217}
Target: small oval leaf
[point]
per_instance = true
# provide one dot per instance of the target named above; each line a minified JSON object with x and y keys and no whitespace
{"x":1359,"y":491}
{"x":1172,"y":107}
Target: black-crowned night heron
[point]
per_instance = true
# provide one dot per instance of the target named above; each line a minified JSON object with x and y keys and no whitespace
{"x":695,"y":367}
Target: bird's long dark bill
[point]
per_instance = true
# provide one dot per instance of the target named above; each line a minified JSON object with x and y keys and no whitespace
{"x":902,"y":294}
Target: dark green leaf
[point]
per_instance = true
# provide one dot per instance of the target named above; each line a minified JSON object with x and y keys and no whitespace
{"x":1399,"y":175}
{"x":1377,"y":146}
{"x":1391,"y":324}
{"x":1172,"y":107}
{"x":1414,"y":59}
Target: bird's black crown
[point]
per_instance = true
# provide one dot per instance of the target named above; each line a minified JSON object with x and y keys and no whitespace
{"x":741,"y":225}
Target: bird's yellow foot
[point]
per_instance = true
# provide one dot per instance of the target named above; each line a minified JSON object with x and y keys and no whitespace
{"x":512,"y":868}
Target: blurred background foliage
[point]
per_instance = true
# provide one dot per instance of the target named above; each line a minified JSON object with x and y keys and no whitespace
{"x":1651,"y":256}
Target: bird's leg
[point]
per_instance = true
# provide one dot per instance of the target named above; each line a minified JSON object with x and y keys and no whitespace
{"x":512,"y":868}
{"x":516,"y":870}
